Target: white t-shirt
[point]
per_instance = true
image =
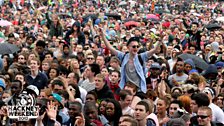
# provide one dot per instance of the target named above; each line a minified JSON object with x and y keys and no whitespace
{"x":217,"y":113}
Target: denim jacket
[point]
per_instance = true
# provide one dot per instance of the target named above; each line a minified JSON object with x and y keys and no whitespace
{"x":138,"y":67}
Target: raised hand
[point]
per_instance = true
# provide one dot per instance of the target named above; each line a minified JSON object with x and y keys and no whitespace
{"x":80,"y":120}
{"x":52,"y":110}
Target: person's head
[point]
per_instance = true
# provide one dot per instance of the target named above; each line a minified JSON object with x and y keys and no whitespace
{"x":219,"y":100}
{"x":194,"y":26}
{"x":155,"y":70}
{"x":5,"y":96}
{"x":127,"y":120}
{"x":91,"y":96}
{"x":90,"y":59}
{"x":179,"y":66}
{"x":188,"y":65}
{"x":210,"y":92}
{"x":57,"y":85}
{"x":22,"y":58}
{"x":141,"y":110}
{"x":133,"y":45}
{"x":92,"y":70}
{"x":99,"y":81}
{"x":74,"y":90}
{"x":186,"y":102}
{"x":131,"y":87}
{"x":79,"y":48}
{"x":45,"y":65}
{"x":49,"y":56}
{"x":16,"y":87}
{"x":100,"y":60}
{"x":75,"y":108}
{"x":198,"y":100}
{"x":66,"y":49}
{"x":162,"y":105}
{"x":21,"y":77}
{"x":53,"y":72}
{"x":204,"y":115}
{"x":114,"y":76}
{"x":73,"y":78}
{"x":74,"y":64}
{"x":192,"y":49}
{"x":105,"y":71}
{"x":90,"y":111}
{"x":113,"y":110}
{"x":40,"y":46}
{"x":34,"y":64}
{"x":102,"y":106}
{"x":174,"y":105}
{"x":125,"y":98}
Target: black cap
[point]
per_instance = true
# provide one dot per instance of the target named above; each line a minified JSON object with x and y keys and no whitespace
{"x":133,"y":39}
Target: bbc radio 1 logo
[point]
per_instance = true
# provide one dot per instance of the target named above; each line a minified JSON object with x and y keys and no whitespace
{"x":24,"y":108}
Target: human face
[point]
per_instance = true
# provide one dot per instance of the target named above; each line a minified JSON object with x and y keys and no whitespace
{"x":100,"y":60}
{"x":90,"y":98}
{"x":79,"y":48}
{"x":173,"y":108}
{"x":31,"y":56}
{"x":52,"y":73}
{"x":102,"y":107}
{"x":125,"y":123}
{"x":110,"y":109}
{"x":91,"y":113}
{"x":75,"y":64}
{"x":140,"y":112}
{"x":161,"y":106}
{"x":180,"y":66}
{"x":73,"y":110}
{"x":220,"y":101}
{"x":88,"y":72}
{"x":127,"y":101}
{"x":70,"y":78}
{"x":5,"y":96}
{"x":114,"y":77}
{"x":90,"y":59}
{"x":34,"y":65}
{"x":39,"y":49}
{"x":187,"y":67}
{"x":21,"y":59}
{"x":194,"y":106}
{"x":105,"y":72}
{"x":45,"y":66}
{"x":99,"y":83}
{"x":192,"y":50}
{"x":57,"y":88}
{"x":48,"y":57}
{"x":20,"y":78}
{"x":15,"y":88}
{"x":194,"y":27}
{"x":42,"y":95}
{"x":124,"y":49}
{"x":203,"y":118}
{"x":133,"y":47}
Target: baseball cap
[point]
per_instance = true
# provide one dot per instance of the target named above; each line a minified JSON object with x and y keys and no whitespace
{"x":155,"y":66}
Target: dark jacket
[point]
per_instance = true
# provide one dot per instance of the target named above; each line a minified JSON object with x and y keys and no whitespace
{"x":104,"y":93}
{"x":81,"y":37}
{"x":54,"y":30}
{"x":40,"y":81}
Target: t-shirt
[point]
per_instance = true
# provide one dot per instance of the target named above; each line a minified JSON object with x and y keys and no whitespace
{"x":131,"y":74}
{"x":195,"y":39}
{"x":217,"y":113}
{"x":179,"y":79}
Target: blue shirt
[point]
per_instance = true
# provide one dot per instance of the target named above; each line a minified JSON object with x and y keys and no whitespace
{"x":139,"y":69}
{"x":40,"y":81}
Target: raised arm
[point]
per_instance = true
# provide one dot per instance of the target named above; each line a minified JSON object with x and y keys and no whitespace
{"x":107,"y":43}
{"x":152,"y":51}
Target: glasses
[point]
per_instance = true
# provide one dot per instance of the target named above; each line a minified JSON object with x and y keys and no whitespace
{"x":135,"y":46}
{"x":89,"y":58}
{"x":202,"y":116}
{"x":20,"y":58}
{"x":173,"y":108}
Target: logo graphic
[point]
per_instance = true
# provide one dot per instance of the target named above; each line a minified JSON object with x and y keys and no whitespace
{"x":24,"y":108}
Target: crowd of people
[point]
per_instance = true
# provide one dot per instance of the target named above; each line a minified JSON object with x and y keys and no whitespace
{"x":113,"y":62}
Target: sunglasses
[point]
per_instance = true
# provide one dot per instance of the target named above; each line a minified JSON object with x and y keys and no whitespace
{"x":90,"y":58}
{"x":173,"y":108}
{"x":13,"y":87}
{"x":202,"y":116}
{"x":135,"y":46}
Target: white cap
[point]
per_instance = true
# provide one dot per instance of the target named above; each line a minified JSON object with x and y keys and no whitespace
{"x":34,"y":88}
